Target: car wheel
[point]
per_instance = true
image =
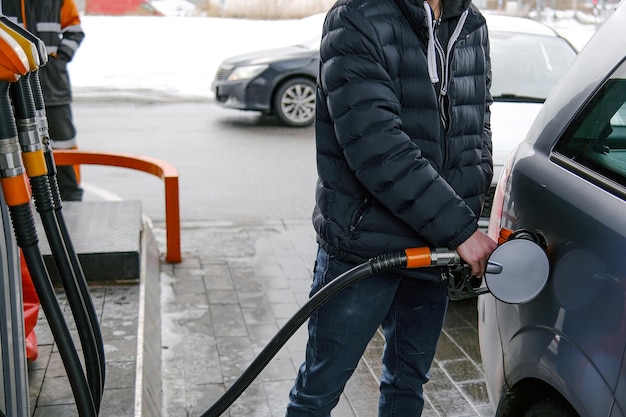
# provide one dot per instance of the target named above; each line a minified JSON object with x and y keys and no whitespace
{"x":294,"y":103}
{"x":550,"y":407}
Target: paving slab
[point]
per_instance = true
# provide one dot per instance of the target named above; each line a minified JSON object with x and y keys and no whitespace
{"x":212,"y":314}
{"x":106,"y":236}
{"x":237,"y":286}
{"x":128,"y":311}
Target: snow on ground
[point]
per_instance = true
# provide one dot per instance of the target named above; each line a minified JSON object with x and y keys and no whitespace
{"x":175,"y":57}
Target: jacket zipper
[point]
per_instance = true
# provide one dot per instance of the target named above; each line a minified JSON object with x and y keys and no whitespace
{"x":445,"y":57}
{"x":443,"y":61}
{"x":358,"y":215}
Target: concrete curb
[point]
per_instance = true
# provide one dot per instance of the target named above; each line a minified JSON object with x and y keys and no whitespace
{"x":148,"y":390}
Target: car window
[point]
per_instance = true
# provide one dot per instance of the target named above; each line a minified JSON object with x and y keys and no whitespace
{"x":313,"y":43}
{"x":526,"y":67}
{"x":597,"y":138}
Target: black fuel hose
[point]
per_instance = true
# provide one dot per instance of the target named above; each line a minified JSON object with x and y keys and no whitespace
{"x":56,"y":321}
{"x":76,"y":301}
{"x":18,"y":199}
{"x":378,"y":264}
{"x":81,"y":280}
{"x":58,"y":211}
{"x":42,"y":126}
{"x":26,"y":119}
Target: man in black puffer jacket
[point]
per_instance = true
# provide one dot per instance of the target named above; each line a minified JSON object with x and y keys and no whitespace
{"x":404,"y":160}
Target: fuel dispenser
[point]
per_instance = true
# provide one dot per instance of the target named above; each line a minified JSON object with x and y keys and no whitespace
{"x":27,"y":166}
{"x":516,"y":273}
{"x":14,"y":382}
{"x":13,"y":370}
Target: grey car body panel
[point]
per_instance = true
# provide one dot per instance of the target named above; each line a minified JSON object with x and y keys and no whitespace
{"x":573,"y":335}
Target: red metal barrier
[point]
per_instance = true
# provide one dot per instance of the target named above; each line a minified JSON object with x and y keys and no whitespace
{"x":164,"y":170}
{"x":31,"y":303}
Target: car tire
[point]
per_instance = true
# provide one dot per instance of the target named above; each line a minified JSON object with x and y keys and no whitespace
{"x":294,"y":102}
{"x":550,"y":407}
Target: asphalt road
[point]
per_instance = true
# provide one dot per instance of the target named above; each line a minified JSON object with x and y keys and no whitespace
{"x":233,"y":166}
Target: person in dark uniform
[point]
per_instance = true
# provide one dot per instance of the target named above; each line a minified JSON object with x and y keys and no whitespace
{"x":57,"y":23}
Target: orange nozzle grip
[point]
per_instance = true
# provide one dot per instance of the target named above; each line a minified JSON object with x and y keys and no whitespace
{"x":12,"y":56}
{"x":504,"y":236}
{"x":8,"y":75}
{"x":35,"y":163}
{"x":16,"y":190}
{"x":418,"y":257}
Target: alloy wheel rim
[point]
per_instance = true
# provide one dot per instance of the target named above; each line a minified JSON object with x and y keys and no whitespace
{"x":298,"y":103}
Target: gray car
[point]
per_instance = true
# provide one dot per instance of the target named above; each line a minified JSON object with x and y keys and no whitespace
{"x":563,"y":353}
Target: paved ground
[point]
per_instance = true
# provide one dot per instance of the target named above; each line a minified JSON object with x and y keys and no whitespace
{"x":50,"y":393}
{"x":237,"y":286}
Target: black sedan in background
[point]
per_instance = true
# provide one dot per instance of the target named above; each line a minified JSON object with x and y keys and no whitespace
{"x":528,"y":58}
{"x":286,"y":89}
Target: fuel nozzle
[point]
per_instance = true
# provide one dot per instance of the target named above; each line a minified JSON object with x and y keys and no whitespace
{"x":516,"y":272}
{"x":13,"y":64}
{"x":21,"y":153}
{"x":22,"y":97}
{"x":37,"y":58}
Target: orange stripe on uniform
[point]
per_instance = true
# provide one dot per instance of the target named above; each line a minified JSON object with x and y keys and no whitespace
{"x":70,"y":15}
{"x":23,"y":7}
{"x":15,"y":189}
{"x":418,"y":257}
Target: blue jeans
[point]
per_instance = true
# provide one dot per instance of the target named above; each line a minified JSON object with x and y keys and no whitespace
{"x":411,"y":312}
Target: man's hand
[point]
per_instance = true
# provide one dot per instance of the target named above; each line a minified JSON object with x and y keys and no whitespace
{"x":62,"y":56}
{"x":476,"y":251}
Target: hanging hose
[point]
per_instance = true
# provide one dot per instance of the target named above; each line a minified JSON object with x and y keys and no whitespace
{"x":34,"y":162}
{"x":17,"y":197}
{"x":58,"y":326}
{"x":34,"y":138}
{"x":69,"y":246}
{"x":77,"y":269}
{"x":410,"y":258}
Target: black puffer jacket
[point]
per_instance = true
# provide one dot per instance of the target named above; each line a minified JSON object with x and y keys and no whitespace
{"x":394,"y":172}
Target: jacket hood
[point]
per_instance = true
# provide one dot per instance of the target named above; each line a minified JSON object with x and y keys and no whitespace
{"x":450,"y":8}
{"x":454,"y":8}
{"x":452,"y":25}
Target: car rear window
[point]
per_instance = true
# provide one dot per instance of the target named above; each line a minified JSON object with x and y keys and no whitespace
{"x":526,"y":67}
{"x":597,"y":138}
